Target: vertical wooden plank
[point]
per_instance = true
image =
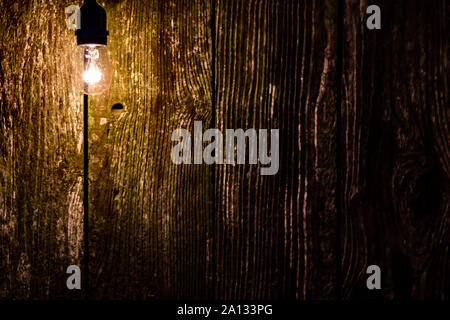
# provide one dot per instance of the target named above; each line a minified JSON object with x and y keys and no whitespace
{"x":149,"y":220}
{"x":275,"y":234}
{"x":396,"y":136}
{"x":40,"y":152}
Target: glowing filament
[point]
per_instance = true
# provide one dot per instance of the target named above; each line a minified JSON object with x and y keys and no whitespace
{"x":92,"y":74}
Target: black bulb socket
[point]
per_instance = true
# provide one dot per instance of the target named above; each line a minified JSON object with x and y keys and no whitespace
{"x":93,"y":24}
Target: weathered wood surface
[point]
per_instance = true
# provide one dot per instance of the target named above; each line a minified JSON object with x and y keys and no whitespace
{"x":149,"y":227}
{"x":396,"y":139}
{"x":158,"y":230}
{"x":275,"y":234}
{"x":40,"y":151}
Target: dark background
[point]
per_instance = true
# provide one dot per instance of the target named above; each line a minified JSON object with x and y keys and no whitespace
{"x":364,"y":151}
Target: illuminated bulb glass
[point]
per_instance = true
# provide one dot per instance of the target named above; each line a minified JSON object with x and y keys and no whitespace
{"x":97,"y":72}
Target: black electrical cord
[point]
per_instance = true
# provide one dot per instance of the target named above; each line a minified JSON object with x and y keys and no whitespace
{"x":86,"y":196}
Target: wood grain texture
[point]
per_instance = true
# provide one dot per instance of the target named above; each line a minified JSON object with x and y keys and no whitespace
{"x":40,"y":151}
{"x":396,"y":137}
{"x":275,"y":234}
{"x":149,"y":229}
{"x":165,"y":231}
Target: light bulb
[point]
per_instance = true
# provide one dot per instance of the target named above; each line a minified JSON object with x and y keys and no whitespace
{"x":97,"y":72}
